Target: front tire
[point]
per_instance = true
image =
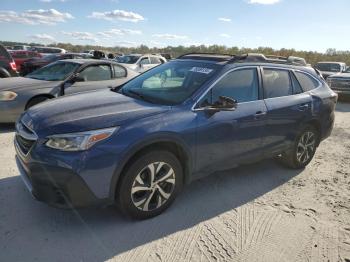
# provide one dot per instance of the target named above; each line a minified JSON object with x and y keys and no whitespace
{"x":303,"y":150}
{"x":150,"y":184}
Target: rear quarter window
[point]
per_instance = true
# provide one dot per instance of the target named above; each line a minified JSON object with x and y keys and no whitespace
{"x":307,"y":82}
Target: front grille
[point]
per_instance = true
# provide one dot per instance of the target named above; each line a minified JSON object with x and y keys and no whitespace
{"x":24,"y":144}
{"x":339,"y":83}
{"x":25,"y":138}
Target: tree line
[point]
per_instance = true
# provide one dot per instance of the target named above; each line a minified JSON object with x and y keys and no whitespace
{"x":175,"y":51}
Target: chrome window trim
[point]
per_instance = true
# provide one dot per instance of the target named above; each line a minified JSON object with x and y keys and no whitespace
{"x":194,"y":109}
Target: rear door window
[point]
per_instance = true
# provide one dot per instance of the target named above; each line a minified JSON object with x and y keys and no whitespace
{"x":277,"y":83}
{"x":307,"y":82}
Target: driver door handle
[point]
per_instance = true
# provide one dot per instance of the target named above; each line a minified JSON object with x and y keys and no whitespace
{"x":259,"y":114}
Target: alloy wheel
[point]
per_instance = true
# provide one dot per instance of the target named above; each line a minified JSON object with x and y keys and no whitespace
{"x":306,"y":147}
{"x":153,"y":186}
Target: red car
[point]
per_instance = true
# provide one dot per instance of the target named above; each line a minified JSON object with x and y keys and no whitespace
{"x":21,"y":56}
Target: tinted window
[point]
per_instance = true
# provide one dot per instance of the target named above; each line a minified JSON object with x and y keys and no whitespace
{"x":119,"y":71}
{"x":155,"y":60}
{"x":331,"y":67}
{"x":96,"y":73}
{"x":128,"y":59}
{"x":277,"y":83}
{"x":241,"y":85}
{"x":307,"y":82}
{"x":296,"y":85}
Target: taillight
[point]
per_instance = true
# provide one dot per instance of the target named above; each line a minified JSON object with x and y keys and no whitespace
{"x":13,"y":66}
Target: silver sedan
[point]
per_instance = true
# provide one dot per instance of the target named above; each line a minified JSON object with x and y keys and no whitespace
{"x":70,"y":76}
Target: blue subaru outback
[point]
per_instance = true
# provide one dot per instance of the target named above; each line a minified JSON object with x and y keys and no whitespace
{"x":138,"y":144}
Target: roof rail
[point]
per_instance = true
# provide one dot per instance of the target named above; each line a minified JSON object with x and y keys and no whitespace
{"x":250,"y":57}
{"x":209,"y":56}
{"x":290,"y":60}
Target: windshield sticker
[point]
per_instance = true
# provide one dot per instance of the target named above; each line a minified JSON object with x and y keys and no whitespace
{"x":201,"y":70}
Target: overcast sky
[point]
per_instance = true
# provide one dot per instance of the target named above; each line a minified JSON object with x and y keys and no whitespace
{"x":300,"y":24}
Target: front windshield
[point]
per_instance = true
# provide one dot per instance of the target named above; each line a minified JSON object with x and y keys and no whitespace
{"x":128,"y":59}
{"x":328,"y":67}
{"x":54,"y":72}
{"x":347,"y":70}
{"x":170,"y":83}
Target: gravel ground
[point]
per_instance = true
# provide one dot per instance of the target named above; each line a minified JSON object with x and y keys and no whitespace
{"x":260,"y":212}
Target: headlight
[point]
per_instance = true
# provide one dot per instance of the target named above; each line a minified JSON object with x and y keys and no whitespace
{"x":79,"y":141}
{"x":7,"y":96}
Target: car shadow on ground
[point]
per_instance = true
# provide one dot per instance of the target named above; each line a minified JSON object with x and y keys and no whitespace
{"x":30,"y":230}
{"x":7,"y":128}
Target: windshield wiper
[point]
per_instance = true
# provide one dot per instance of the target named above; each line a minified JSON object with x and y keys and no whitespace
{"x":32,"y":77}
{"x":136,"y":94}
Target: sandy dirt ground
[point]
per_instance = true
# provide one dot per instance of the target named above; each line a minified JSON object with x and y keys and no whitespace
{"x":261,"y":212}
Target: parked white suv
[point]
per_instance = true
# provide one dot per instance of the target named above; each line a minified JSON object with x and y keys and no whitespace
{"x":141,"y":63}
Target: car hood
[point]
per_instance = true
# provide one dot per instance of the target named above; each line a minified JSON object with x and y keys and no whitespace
{"x":131,"y":66}
{"x":87,"y":111}
{"x":339,"y":76}
{"x":328,"y":73}
{"x":34,"y":61}
{"x":19,"y":83}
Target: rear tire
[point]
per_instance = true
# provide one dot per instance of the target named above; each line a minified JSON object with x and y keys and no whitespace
{"x":303,"y":150}
{"x":149,"y":184}
{"x":35,"y":101}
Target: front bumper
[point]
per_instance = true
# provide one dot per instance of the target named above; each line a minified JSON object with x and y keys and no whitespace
{"x":54,"y":185}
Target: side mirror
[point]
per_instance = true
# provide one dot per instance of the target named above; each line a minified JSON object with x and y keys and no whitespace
{"x":77,"y":78}
{"x":224,"y":103}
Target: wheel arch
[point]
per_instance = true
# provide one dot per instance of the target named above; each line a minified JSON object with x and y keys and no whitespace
{"x":48,"y":96}
{"x":4,"y":73}
{"x":317,"y":125}
{"x":166,"y":142}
